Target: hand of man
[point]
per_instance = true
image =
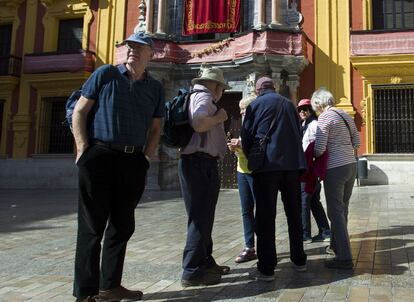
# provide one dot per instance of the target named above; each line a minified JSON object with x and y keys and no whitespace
{"x":233,"y":144}
{"x":79,"y":153}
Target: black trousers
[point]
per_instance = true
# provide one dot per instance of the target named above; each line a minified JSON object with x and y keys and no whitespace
{"x":111,"y":184}
{"x":265,"y":187}
{"x":312,"y":203}
{"x":200,"y":186}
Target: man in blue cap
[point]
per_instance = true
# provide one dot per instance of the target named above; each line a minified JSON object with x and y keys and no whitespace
{"x":116,"y":126}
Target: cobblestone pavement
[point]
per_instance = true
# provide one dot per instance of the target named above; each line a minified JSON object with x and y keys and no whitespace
{"x":38,"y":229}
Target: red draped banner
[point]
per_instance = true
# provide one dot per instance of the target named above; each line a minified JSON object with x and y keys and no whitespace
{"x":208,"y":16}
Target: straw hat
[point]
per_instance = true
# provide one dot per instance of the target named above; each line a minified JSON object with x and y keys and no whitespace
{"x":211,"y":74}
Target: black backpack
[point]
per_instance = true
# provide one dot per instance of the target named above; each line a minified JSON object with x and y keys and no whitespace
{"x":177,"y":129}
{"x":70,"y":105}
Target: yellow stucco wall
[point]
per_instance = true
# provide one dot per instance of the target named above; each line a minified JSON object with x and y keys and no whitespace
{"x":332,"y":63}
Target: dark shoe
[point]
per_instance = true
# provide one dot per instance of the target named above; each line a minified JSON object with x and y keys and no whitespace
{"x":218,"y":269}
{"x":307,"y":239}
{"x":322,"y":236}
{"x":86,"y":299}
{"x":339,"y":264}
{"x":300,"y":268}
{"x":257,"y":275}
{"x":206,"y":279}
{"x":247,"y":254}
{"x":119,"y":294}
{"x":329,"y":251}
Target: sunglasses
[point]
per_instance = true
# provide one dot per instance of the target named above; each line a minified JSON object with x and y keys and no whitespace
{"x":303,"y":110}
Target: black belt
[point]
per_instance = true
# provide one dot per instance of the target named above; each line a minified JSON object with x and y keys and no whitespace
{"x":120,"y":148}
{"x":201,"y":154}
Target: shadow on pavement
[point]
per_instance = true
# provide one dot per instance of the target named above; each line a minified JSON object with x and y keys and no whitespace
{"x":375,"y":253}
{"x":23,"y":210}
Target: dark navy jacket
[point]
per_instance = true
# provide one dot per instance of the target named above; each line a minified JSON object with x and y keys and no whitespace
{"x":284,"y":150}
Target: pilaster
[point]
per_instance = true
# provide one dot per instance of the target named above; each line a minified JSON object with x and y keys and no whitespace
{"x":332,"y":50}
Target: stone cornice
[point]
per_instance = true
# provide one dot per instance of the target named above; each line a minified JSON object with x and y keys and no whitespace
{"x":385,"y":66}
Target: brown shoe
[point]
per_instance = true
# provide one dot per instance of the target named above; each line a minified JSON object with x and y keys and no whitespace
{"x":86,"y":299}
{"x":206,"y":279}
{"x":119,"y":294}
{"x":218,"y":269}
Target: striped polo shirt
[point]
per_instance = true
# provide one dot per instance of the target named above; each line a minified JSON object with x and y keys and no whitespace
{"x":333,"y":135}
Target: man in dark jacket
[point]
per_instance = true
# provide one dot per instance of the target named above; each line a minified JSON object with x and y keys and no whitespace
{"x":284,"y":161}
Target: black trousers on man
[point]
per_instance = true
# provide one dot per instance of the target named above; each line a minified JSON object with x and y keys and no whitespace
{"x":110,"y":186}
{"x":200,"y":186}
{"x":265,"y":187}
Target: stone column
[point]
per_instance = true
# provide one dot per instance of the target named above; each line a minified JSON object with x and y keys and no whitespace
{"x":149,"y":18}
{"x":277,"y":80}
{"x":275,"y":14}
{"x":293,"y":85}
{"x":261,"y":15}
{"x":161,"y":18}
{"x":250,"y":87}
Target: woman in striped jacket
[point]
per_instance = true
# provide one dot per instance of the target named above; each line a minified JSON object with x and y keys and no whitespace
{"x":336,"y":133}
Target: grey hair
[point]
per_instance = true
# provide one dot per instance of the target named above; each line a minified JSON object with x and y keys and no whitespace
{"x":321,"y":99}
{"x":244,"y":102}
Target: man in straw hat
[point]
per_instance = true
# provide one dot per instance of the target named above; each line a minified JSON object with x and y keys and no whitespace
{"x":200,"y":183}
{"x":283,"y":162}
{"x":116,"y":125}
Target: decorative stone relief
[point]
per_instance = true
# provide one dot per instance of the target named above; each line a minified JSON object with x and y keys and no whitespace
{"x":142,"y":24}
{"x":251,"y":83}
{"x":363,"y":105}
{"x":395,"y":80}
{"x":293,"y":17}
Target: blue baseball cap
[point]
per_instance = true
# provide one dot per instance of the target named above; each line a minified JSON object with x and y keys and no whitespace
{"x":140,"y":38}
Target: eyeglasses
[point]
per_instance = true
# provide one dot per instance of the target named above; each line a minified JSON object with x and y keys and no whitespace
{"x":303,"y":110}
{"x":133,"y":46}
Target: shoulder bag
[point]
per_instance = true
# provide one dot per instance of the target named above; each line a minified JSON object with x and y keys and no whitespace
{"x":257,"y":153}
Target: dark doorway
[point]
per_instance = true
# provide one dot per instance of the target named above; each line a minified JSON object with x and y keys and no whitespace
{"x":228,"y":167}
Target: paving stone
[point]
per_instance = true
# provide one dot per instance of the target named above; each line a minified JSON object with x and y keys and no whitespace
{"x":38,"y":237}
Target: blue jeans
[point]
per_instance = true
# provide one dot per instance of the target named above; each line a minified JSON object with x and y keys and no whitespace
{"x":312,"y":203}
{"x":245,"y":184}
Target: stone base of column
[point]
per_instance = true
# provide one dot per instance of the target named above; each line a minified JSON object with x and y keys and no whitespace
{"x":276,"y":25}
{"x":260,"y":26}
{"x":161,"y":34}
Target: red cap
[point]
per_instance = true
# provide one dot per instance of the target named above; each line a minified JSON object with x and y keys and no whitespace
{"x":304,"y":102}
{"x":264,"y":82}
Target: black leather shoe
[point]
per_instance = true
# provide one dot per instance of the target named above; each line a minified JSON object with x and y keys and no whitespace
{"x":339,"y":264}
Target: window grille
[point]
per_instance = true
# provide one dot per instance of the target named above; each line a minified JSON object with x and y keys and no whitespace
{"x":393,"y":14}
{"x":54,"y":136}
{"x":1,"y":116}
{"x":5,"y":44}
{"x":393,"y":118}
{"x":70,"y":35}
